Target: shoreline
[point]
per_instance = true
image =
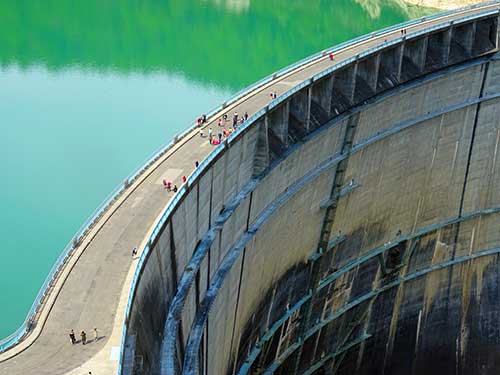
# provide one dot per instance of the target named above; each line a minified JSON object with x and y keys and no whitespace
{"x":442,"y":4}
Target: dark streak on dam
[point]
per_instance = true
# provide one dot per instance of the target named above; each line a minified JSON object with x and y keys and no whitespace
{"x":353,"y":228}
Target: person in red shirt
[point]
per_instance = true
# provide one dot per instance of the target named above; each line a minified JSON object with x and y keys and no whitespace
{"x":184,"y":179}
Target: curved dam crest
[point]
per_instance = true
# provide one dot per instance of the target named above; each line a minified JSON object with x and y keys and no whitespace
{"x":311,"y":240}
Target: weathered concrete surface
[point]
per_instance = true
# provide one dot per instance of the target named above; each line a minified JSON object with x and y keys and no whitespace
{"x":265,"y":235}
{"x":90,"y":294}
{"x":392,"y":175}
{"x":411,"y":180}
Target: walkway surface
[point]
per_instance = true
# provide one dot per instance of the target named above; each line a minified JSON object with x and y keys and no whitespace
{"x":94,"y":288}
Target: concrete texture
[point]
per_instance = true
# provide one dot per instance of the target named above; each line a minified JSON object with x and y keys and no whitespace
{"x":395,"y":166}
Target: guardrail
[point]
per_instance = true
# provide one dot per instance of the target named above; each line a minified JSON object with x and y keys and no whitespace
{"x":213,"y":155}
{"x":61,"y":261}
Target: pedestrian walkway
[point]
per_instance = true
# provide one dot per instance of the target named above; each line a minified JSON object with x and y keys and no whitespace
{"x":95,"y":291}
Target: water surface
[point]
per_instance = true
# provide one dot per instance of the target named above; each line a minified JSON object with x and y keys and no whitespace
{"x":88,"y":89}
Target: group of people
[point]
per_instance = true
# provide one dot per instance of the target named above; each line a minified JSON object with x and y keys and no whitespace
{"x":83,"y":337}
{"x":168,"y":186}
{"x":224,"y":133}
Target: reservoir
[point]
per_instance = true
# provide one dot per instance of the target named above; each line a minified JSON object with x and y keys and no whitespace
{"x":89,"y":90}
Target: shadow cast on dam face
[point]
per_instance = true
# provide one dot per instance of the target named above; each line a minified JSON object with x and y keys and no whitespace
{"x":292,"y":288}
{"x":410,"y":331}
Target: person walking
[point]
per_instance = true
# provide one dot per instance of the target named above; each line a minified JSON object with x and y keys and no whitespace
{"x":169,"y":186}
{"x":134,"y":253}
{"x":210,"y":135}
{"x":175,"y":189}
{"x":246,"y":116}
{"x":220,"y":137}
{"x":83,"y":335}
{"x":196,"y":164}
{"x":201,"y":133}
{"x":184,"y":179}
{"x":224,"y":117}
{"x":330,"y":55}
{"x":235,"y":118}
{"x":164,"y":183}
{"x":96,"y":335}
{"x":72,"y":337}
{"x":219,"y":122}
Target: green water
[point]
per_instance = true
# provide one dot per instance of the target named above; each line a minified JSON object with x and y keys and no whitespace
{"x":88,"y":89}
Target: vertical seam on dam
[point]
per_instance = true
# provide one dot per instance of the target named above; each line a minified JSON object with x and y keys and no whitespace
{"x":473,"y":137}
{"x":241,"y":275}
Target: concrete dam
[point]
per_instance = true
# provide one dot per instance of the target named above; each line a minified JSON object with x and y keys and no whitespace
{"x":349,"y":226}
{"x":352,"y":227}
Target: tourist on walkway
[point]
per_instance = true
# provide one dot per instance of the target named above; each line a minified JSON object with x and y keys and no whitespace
{"x":235,"y":118}
{"x":203,"y":118}
{"x":219,"y":122}
{"x":220,"y":137}
{"x":201,"y":133}
{"x":165,"y":183}
{"x":246,"y":116}
{"x":210,"y":133}
{"x":83,"y":335}
{"x":224,"y":117}
{"x":134,"y":251}
{"x":169,"y":186}
{"x":196,"y":164}
{"x":96,"y":334}
{"x":184,"y":179}
{"x":72,"y":337}
{"x":330,"y":55}
{"x":175,"y":189}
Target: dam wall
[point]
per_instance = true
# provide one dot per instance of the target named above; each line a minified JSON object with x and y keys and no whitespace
{"x":349,"y":227}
